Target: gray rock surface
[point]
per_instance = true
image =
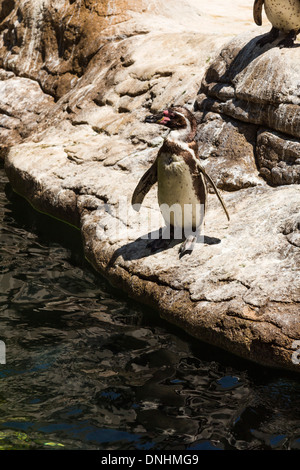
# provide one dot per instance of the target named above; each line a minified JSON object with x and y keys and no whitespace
{"x":82,"y":157}
{"x":258,"y":87}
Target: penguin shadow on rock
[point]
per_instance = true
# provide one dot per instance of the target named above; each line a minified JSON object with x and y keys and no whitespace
{"x":141,"y":247}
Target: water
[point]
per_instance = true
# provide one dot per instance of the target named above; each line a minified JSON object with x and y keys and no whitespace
{"x":86,"y":368}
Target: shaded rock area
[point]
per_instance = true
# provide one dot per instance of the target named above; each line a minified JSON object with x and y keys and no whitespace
{"x":80,"y":144}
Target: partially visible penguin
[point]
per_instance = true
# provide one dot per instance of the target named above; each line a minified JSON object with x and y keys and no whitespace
{"x":284,"y":15}
{"x":182,"y":191}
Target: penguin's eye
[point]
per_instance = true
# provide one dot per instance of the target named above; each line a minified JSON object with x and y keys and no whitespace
{"x":173,"y":120}
{"x":177,"y":120}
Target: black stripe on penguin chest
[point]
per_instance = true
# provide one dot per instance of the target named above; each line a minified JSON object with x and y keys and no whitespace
{"x":179,"y":180}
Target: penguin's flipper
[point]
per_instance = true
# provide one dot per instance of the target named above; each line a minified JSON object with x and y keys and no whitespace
{"x":214,"y":188}
{"x":144,"y":185}
{"x":257,"y":11}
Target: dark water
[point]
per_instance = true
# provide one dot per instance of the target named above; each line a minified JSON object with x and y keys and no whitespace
{"x":87,"y":368}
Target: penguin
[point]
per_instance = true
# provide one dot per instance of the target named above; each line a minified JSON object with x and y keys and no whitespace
{"x":284,"y":15}
{"x":182,"y":189}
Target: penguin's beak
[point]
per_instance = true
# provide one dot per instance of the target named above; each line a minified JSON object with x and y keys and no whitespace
{"x":159,"y":118}
{"x":154,"y":118}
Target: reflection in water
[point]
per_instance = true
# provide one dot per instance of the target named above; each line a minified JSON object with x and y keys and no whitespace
{"x":88,"y":369}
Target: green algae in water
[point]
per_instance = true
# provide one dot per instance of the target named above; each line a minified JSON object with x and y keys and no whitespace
{"x":16,"y":440}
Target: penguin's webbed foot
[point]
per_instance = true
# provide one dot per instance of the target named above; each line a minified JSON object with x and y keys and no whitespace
{"x":288,"y":41}
{"x":188,"y":245}
{"x":269,"y":37}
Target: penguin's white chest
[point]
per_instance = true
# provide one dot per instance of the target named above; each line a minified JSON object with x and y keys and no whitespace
{"x":283,"y":14}
{"x":179,"y":204}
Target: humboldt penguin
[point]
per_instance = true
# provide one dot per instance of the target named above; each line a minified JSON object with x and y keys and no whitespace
{"x":284,"y":15}
{"x":182,"y":190}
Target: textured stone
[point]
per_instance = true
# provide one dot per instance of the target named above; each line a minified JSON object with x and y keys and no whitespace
{"x":278,"y":158}
{"x":227,"y":147}
{"x":260,"y":87}
{"x":22,"y":105}
{"x":58,"y":53}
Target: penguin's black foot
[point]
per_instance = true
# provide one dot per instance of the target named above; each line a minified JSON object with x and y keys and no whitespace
{"x":188,"y":245}
{"x":269,"y":37}
{"x":285,"y":43}
{"x":288,"y":41}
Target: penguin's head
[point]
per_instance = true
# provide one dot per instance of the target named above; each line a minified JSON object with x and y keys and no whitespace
{"x":176,"y":118}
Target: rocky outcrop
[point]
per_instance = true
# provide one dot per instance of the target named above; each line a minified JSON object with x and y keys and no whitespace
{"x":82,"y":157}
{"x":22,"y":103}
{"x":53,"y":41}
{"x":255,"y":92}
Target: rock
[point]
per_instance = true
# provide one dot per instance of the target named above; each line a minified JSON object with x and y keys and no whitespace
{"x":260,"y":87}
{"x":57,"y":53}
{"x":22,"y":104}
{"x":278,"y":157}
{"x":227,"y":147}
{"x":239,"y":289}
